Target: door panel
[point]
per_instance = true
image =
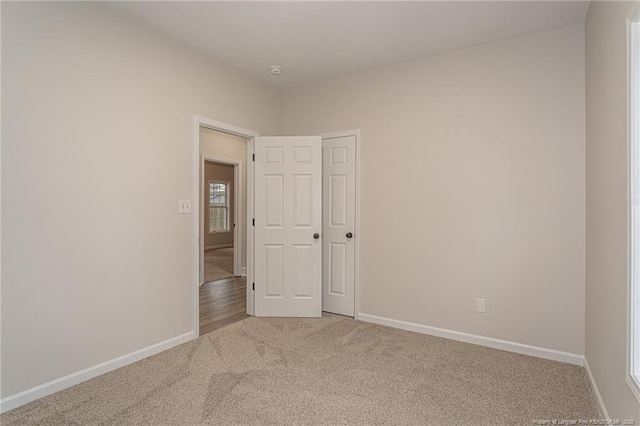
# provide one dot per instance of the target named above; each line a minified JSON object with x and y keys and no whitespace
{"x":338,"y":278}
{"x":274,"y":265}
{"x":338,"y":200}
{"x":275,"y":200}
{"x":302,"y":267}
{"x":339,"y":195}
{"x":302,"y":201}
{"x":288,"y":212}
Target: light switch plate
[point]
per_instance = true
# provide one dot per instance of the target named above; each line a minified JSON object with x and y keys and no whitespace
{"x":184,"y":206}
{"x":481,"y":305}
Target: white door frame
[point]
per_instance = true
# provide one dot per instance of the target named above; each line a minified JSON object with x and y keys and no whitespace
{"x":237,"y":211}
{"x":198,"y":122}
{"x":358,"y":234}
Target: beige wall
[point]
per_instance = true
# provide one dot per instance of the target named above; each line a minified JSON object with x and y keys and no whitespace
{"x":606,"y":175}
{"x":221,"y":173}
{"x":97,"y":137}
{"x":472,"y":185}
{"x":223,"y":145}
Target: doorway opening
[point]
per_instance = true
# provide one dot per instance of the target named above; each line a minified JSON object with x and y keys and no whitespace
{"x":221,"y":221}
{"x":223,"y":298}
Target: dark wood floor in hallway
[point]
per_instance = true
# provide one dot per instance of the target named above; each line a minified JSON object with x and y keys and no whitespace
{"x":222,"y":302}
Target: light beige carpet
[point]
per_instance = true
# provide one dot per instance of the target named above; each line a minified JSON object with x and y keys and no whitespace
{"x":218,"y":264}
{"x":332,"y":370}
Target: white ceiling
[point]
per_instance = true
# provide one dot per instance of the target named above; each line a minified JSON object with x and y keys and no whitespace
{"x":318,"y":40}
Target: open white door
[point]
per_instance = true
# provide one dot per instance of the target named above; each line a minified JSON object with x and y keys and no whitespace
{"x":288,"y":226}
{"x":339,"y":205}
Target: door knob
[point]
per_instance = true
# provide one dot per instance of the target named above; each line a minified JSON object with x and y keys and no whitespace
{"x":316,"y":236}
{"x":349,"y":235}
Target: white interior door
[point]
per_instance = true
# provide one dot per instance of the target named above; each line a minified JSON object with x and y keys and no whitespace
{"x":339,"y":213}
{"x":288,"y":224}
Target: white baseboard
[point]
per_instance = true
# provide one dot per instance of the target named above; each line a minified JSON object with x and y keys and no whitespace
{"x":490,"y":342}
{"x":72,"y":379}
{"x":596,"y":392}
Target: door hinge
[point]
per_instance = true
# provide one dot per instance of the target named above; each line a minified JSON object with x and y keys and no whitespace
{"x":253,"y":287}
{"x":254,"y":157}
{"x":254,"y":221}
